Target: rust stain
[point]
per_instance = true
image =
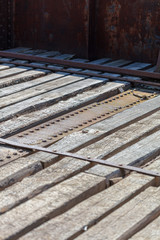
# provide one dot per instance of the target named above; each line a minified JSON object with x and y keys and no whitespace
{"x":121,"y":28}
{"x":128,"y":29}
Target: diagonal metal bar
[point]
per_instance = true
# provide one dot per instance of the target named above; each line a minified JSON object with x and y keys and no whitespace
{"x":69,"y":63}
{"x":76,"y":156}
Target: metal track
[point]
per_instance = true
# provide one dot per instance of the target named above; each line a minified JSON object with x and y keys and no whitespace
{"x":51,"y":131}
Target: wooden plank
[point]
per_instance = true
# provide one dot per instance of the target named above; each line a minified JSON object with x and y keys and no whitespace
{"x":22,"y":77}
{"x":13,"y":71}
{"x":44,"y":85}
{"x":48,"y":54}
{"x":137,"y":154}
{"x":62,"y":107}
{"x":5,"y":66}
{"x":64,"y":56}
{"x":33,"y":86}
{"x":137,"y":66}
{"x":49,"y":204}
{"x":150,"y":232}
{"x":80,"y":100}
{"x":49,"y":98}
{"x":128,"y":219}
{"x":105,"y":147}
{"x":91,"y":211}
{"x":118,"y":63}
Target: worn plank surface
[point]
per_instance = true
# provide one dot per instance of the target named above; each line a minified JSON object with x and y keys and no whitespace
{"x":151,"y":231}
{"x":48,"y":204}
{"x":44,"y":196}
{"x":91,"y":211}
{"x":128,"y":219}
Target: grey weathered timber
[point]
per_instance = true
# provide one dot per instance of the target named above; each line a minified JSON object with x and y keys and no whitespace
{"x":150,"y":232}
{"x":44,"y":85}
{"x":137,"y":66}
{"x":22,"y":77}
{"x":89,"y":212}
{"x":49,"y":98}
{"x":137,"y":154}
{"x":120,"y":63}
{"x":102,"y":149}
{"x":13,"y":71}
{"x":127,"y":220}
{"x":49,"y":204}
{"x":80,"y":100}
{"x":5,"y":66}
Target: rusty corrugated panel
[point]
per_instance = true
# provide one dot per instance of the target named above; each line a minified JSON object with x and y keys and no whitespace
{"x":128,"y":29}
{"x":60,"y":25}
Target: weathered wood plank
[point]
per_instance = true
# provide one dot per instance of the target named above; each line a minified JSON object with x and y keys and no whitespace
{"x":38,"y":85}
{"x":49,"y":204}
{"x":19,"y":79}
{"x":150,"y":232}
{"x":13,"y":71}
{"x":87,"y":97}
{"x":49,"y":98}
{"x":74,"y":166}
{"x":128,"y":219}
{"x":102,"y":148}
{"x":88,"y":213}
{"x":137,"y":66}
{"x":5,"y":66}
{"x":137,"y":154}
{"x":119,"y":63}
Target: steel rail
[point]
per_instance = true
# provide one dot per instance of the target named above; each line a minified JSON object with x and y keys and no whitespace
{"x":88,"y":159}
{"x":70,"y":63}
{"x":91,"y":74}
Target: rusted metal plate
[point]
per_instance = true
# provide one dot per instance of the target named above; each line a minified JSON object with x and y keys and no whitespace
{"x":60,"y":25}
{"x":51,"y":131}
{"x":128,"y":29}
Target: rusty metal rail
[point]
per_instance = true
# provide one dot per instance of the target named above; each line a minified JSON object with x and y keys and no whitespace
{"x":88,"y":159}
{"x":89,"y":66}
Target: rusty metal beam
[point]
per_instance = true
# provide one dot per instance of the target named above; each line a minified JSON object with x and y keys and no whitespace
{"x":69,"y":63}
{"x":76,"y":156}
